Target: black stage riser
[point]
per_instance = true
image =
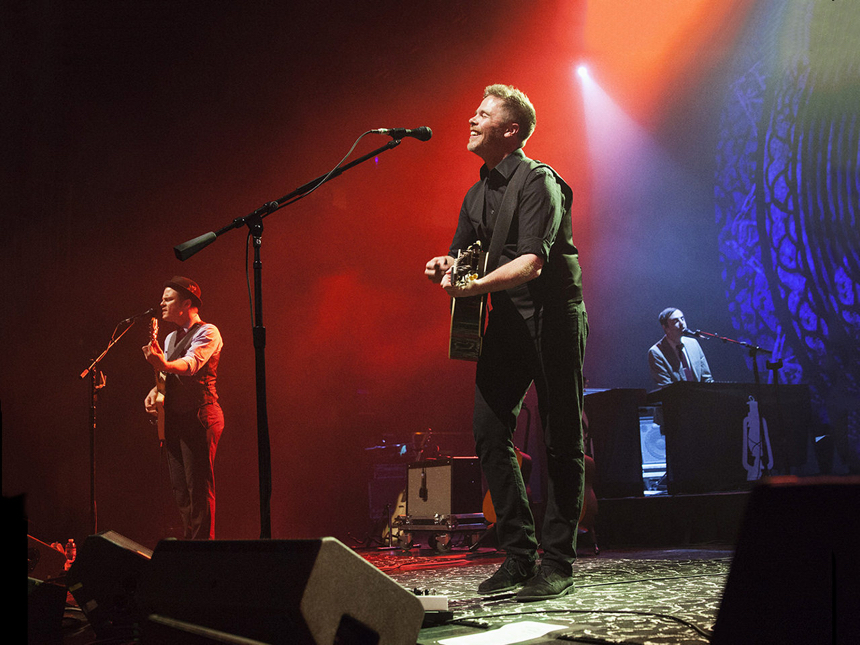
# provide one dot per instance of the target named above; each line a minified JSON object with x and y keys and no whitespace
{"x":671,"y":520}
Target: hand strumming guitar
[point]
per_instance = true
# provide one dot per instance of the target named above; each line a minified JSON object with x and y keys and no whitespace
{"x":149,"y":403}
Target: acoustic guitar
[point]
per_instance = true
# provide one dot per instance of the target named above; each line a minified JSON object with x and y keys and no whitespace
{"x":525,"y":463}
{"x":589,"y":500}
{"x":468,"y":314}
{"x":159,"y":384}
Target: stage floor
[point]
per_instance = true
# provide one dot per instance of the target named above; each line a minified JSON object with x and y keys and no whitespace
{"x":653,"y":596}
{"x":645,"y":596}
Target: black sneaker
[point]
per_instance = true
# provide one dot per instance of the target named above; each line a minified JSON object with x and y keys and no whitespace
{"x":549,"y":583}
{"x":509,"y":576}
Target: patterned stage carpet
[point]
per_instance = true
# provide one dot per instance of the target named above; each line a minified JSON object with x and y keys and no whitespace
{"x":631,"y":596}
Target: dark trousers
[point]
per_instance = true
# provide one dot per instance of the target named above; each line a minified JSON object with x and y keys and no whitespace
{"x":547,"y":349}
{"x":191,"y":440}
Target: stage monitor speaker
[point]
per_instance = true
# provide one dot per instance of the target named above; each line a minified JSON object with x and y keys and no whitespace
{"x":44,"y":562}
{"x":795,"y":576}
{"x":279,"y":591}
{"x":46,"y":602}
{"x":104,"y":580}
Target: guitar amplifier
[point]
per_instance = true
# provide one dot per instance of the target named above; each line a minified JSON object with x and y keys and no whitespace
{"x":450,"y":486}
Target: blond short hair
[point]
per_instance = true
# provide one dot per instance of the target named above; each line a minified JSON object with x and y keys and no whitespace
{"x":519,"y":107}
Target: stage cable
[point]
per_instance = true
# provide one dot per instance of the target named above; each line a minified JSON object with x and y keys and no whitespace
{"x":631,"y":612}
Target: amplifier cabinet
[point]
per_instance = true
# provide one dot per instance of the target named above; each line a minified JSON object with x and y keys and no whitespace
{"x":449,"y":486}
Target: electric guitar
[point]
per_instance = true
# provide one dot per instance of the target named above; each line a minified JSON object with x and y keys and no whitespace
{"x":468,"y":314}
{"x":159,"y":385}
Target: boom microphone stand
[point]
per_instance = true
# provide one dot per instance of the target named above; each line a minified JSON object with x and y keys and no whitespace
{"x":754,"y":350}
{"x":254,"y":222}
{"x":97,"y":382}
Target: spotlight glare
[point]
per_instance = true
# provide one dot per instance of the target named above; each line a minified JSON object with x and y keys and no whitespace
{"x":582,"y":71}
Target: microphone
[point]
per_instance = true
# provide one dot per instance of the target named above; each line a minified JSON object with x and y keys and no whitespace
{"x":422,"y":134}
{"x":691,"y":334}
{"x":146,"y":314}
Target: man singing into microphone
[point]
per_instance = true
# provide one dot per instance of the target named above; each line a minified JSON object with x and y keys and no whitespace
{"x":536,"y":333}
{"x":193,"y":417}
{"x":677,"y":356}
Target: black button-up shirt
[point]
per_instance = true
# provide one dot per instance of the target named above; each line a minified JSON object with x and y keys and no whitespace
{"x":541,"y":225}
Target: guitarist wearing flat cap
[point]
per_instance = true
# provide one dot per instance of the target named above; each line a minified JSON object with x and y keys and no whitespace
{"x":186,"y":372}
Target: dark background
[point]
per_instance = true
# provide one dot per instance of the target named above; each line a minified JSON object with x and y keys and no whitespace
{"x":130,"y":127}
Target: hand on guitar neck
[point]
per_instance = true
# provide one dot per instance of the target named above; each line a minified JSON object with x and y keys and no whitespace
{"x":153,"y":353}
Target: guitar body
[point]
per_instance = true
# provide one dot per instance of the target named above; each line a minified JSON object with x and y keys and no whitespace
{"x":160,"y":385}
{"x":468,"y":315}
{"x":589,"y":500}
{"x":525,"y":464}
